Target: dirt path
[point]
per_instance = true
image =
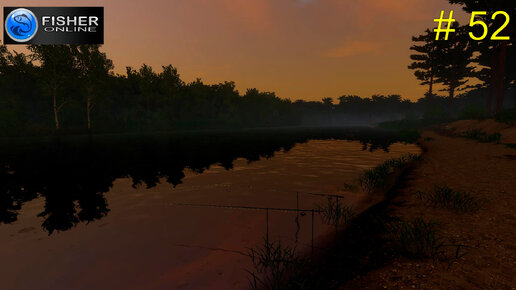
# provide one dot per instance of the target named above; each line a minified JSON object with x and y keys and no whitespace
{"x":486,"y":170}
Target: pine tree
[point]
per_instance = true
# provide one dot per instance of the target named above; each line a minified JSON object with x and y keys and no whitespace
{"x":455,"y":57}
{"x":495,"y":55}
{"x":425,"y":61}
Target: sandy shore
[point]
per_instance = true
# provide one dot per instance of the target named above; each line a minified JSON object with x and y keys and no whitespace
{"x":490,"y":126}
{"x":488,"y":171}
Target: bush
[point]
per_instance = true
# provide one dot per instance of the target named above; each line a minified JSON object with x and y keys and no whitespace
{"x":334,"y":212}
{"x":472,"y":112}
{"x":417,"y":238}
{"x":506,"y":116}
{"x":444,"y":196}
{"x":273,"y":264}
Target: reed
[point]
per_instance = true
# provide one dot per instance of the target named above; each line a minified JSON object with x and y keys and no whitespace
{"x":335,"y":213}
{"x":274,"y":266}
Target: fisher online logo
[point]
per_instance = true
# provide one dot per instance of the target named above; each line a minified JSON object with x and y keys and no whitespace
{"x":21,"y":25}
{"x":54,"y":25}
{"x":70,"y":23}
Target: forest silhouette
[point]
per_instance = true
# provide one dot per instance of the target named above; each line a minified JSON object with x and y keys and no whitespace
{"x":67,"y":89}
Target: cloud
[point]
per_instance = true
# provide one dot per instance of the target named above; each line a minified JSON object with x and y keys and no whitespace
{"x":352,"y":48}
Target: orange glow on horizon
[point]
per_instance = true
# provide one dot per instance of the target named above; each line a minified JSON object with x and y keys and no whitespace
{"x":300,"y":49}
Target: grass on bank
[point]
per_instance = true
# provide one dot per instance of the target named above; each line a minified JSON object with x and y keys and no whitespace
{"x":279,"y":267}
{"x":275,"y":266}
{"x":482,"y":136}
{"x":377,"y":178}
{"x":420,"y":239}
{"x":334,"y":212}
{"x":446,"y":197}
{"x":417,"y":238}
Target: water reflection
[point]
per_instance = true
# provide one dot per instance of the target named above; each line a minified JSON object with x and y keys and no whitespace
{"x":72,"y":174}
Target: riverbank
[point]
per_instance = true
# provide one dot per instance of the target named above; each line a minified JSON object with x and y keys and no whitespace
{"x":475,"y":249}
{"x":488,"y":127}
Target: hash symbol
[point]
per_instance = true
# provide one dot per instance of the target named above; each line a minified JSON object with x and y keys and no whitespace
{"x":440,"y":21}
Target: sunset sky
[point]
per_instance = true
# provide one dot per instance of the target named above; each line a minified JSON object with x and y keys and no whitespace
{"x":300,"y":49}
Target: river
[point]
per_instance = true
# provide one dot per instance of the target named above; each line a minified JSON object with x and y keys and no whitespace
{"x":72,"y":221}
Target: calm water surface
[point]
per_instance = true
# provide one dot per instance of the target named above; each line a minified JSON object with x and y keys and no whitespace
{"x":141,"y":232}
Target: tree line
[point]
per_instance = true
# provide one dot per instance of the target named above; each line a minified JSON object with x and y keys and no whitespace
{"x":68,"y":89}
{"x":72,"y":89}
{"x":453,"y":63}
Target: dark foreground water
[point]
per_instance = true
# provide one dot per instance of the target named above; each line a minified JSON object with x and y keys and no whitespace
{"x":124,"y":212}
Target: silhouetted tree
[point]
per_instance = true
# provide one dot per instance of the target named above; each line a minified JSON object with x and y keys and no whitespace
{"x":58,"y":67}
{"x":426,"y":59}
{"x":328,"y":101}
{"x":493,"y":53}
{"x":19,"y":94}
{"x":145,"y":84}
{"x":3,"y":56}
{"x":93,"y":70}
{"x":511,"y":73}
{"x":455,"y":59}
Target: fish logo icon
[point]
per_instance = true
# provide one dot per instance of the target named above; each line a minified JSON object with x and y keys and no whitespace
{"x":21,"y":25}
